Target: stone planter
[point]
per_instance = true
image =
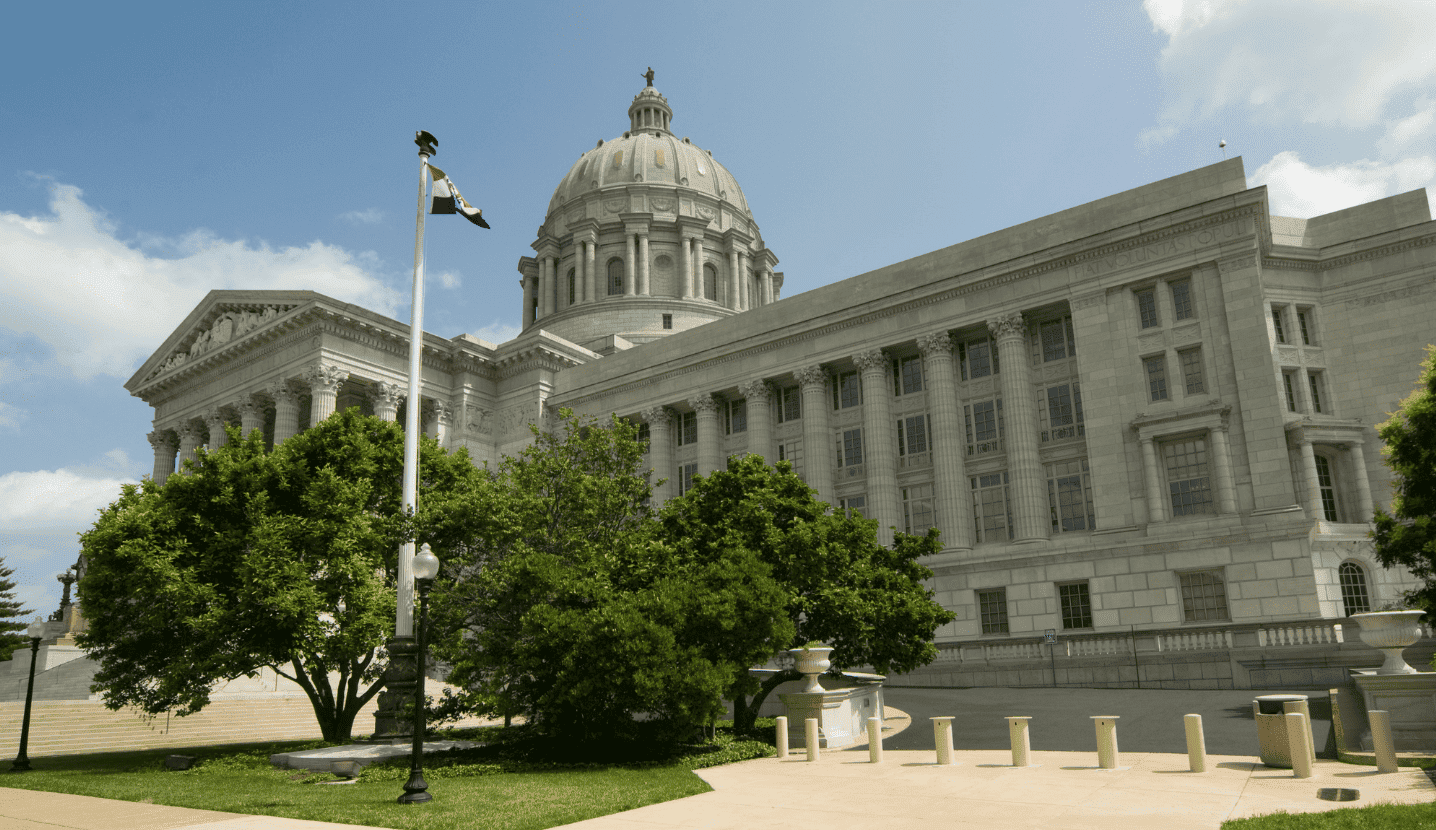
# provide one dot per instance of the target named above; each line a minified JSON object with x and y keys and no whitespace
{"x":1391,"y":632}
{"x":812,"y":662}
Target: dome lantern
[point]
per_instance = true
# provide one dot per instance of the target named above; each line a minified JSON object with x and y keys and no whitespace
{"x":649,"y":112}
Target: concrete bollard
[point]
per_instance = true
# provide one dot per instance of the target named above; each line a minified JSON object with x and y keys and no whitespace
{"x":1196,"y":743}
{"x":942,"y":738}
{"x":875,"y":740}
{"x":1382,"y":741}
{"x":1299,"y":737}
{"x":811,"y":734}
{"x":1106,"y":740}
{"x":781,"y":730}
{"x":1017,"y":733}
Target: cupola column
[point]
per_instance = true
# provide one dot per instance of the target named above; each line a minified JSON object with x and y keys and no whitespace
{"x":630,"y":264}
{"x":528,"y":286}
{"x":734,"y":295}
{"x":745,"y":298}
{"x":590,"y":270}
{"x":546,"y":286}
{"x":643,"y":288}
{"x":767,"y":286}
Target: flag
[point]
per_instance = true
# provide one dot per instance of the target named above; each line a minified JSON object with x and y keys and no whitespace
{"x":447,"y":199}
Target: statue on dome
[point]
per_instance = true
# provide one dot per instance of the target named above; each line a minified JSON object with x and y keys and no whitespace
{"x":649,"y":76}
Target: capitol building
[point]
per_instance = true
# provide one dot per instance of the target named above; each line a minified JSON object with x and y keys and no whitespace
{"x":1144,"y":426}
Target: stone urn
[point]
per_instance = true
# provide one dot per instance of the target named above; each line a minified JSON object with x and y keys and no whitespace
{"x":1391,"y":632}
{"x":812,"y":661}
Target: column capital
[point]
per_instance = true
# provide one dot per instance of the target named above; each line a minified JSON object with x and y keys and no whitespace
{"x":703,"y":403}
{"x":163,"y":440}
{"x":812,"y":375}
{"x":759,"y":390}
{"x":937,"y":343}
{"x":325,"y":376}
{"x":658,"y":416}
{"x":188,"y":430}
{"x":251,"y":407}
{"x":387,"y":394}
{"x":213,"y":418}
{"x":281,"y":392}
{"x":1008,"y":325}
{"x":870,"y":360}
{"x":444,"y":412}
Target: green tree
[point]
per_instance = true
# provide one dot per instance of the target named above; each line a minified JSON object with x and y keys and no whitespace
{"x":12,"y":615}
{"x":1407,"y":535}
{"x":569,"y":609}
{"x":839,"y":586}
{"x":251,"y":559}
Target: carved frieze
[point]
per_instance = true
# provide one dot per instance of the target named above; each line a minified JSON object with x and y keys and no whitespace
{"x":1187,"y":334}
{"x":1288,"y":355}
{"x":477,"y":420}
{"x":1152,"y":341}
{"x":229,"y":326}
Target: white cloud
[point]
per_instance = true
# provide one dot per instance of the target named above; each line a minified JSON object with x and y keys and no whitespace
{"x":498,"y":332}
{"x":372,"y":216}
{"x":1405,"y":132}
{"x":11,"y":416}
{"x":49,"y":500}
{"x":1307,"y":61}
{"x":1297,"y":189}
{"x":447,"y":279}
{"x":102,"y":304}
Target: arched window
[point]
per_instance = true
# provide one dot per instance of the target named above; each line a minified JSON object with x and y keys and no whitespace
{"x":615,"y":276}
{"x":1354,"y":597}
{"x":572,"y":287}
{"x":1327,"y":484}
{"x":710,"y":282}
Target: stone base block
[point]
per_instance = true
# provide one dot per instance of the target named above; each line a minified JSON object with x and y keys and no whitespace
{"x":1411,"y":700}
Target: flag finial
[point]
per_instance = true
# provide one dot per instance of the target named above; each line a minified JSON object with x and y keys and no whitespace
{"x":428,"y":145}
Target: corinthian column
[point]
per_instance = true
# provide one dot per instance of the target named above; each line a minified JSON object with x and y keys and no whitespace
{"x":686,"y":265}
{"x":630,"y":264}
{"x":385,"y":397}
{"x":324,"y":380}
{"x":710,"y":448}
{"x":214,"y":419}
{"x":166,"y":445}
{"x":1033,"y":519}
{"x":643,"y":287}
{"x":817,"y":443}
{"x":436,"y":425}
{"x":590,"y":270}
{"x":1313,"y":482}
{"x":954,"y":510}
{"x":190,"y":437}
{"x":878,"y":457}
{"x":660,"y":453}
{"x":251,"y":416}
{"x":529,"y":294}
{"x":735,"y":287}
{"x":760,"y":417}
{"x":286,"y":410}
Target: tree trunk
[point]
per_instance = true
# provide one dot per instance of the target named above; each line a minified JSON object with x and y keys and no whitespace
{"x":745,"y":712}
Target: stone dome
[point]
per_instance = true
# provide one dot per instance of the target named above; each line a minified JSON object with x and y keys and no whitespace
{"x":646,"y":235}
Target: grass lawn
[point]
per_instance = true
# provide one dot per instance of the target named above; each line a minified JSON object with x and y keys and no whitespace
{"x":1375,"y":817}
{"x":511,"y":784}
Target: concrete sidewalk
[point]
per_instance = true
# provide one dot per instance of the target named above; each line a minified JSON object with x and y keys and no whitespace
{"x":35,"y":810}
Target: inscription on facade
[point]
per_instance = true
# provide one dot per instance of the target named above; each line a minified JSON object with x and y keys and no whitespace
{"x":1162,"y":249}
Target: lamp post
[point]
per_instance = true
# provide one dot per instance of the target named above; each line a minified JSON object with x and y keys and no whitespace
{"x":426,"y":567}
{"x":36,"y":630}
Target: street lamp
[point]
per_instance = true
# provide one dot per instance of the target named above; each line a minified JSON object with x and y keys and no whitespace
{"x":426,"y":567}
{"x":36,"y":630}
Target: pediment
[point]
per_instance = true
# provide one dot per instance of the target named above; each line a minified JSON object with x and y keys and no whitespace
{"x":223,"y":323}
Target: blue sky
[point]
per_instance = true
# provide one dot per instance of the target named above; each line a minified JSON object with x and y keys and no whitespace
{"x":151,"y":152}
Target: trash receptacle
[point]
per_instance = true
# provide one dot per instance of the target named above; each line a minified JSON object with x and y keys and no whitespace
{"x":1271,"y":712}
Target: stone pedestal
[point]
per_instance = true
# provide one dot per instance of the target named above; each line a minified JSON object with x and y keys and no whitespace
{"x":1411,"y":700}
{"x":393,"y":718}
{"x":842,"y":713}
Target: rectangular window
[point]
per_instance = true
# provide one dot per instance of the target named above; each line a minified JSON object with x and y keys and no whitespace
{"x":668,"y":321}
{"x":854,"y":505}
{"x":643,"y":436}
{"x":992,"y":518}
{"x":907,"y":375}
{"x":1076,"y":605}
{"x":1060,"y":411}
{"x":1290,"y":391}
{"x":917,"y":515}
{"x":687,"y":428}
{"x":686,"y":473}
{"x":984,"y":426}
{"x":1069,"y":496}
{"x":1156,"y":370}
{"x":1188,"y":481}
{"x":847,"y":390}
{"x":1191,"y":360}
{"x":978,"y":358}
{"x":735,"y":416}
{"x":790,"y":404}
{"x":912,"y":441}
{"x":1182,"y":300}
{"x":1053,"y":341}
{"x":1147,"y":308}
{"x":850,"y":448}
{"x":1303,"y":322}
{"x":992,"y":605}
{"x":791,"y":452}
{"x":1204,"y":596}
{"x":1326,"y":483}
{"x":1276,"y":314}
{"x":1314,"y":378}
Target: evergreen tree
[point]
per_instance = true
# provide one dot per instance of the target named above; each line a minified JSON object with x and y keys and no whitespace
{"x":1407,"y":535}
{"x":12,"y":616}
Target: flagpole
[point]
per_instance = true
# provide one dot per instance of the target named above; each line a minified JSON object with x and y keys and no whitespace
{"x":404,"y":612}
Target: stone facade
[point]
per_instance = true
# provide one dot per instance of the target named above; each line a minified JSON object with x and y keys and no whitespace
{"x":1145,"y":423}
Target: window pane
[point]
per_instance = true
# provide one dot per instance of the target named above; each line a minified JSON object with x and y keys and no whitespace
{"x":1076,"y":605}
{"x":1156,"y":368}
{"x":915,"y":434}
{"x":1204,"y":596}
{"x":910,"y":369}
{"x":1354,"y":597}
{"x":977,"y":359}
{"x":1276,"y":324}
{"x":1147,"y":307}
{"x":993,"y":607}
{"x":1187,"y":479}
{"x":1192,"y":371}
{"x":1290,"y":393}
{"x":1182,"y":299}
{"x":1327,"y":486}
{"x":1054,"y":340}
{"x":738,"y":416}
{"x":1315,"y":380}
{"x":917,"y":509}
{"x":990,"y":506}
{"x":1301,"y":315}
